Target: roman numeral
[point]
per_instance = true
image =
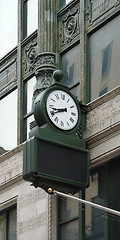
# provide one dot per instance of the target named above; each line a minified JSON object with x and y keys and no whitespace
{"x":62,"y":124}
{"x":62,"y":96}
{"x":56,"y":119}
{"x":73,"y":114}
{"x":52,"y":99}
{"x":50,"y":106}
{"x":57,"y":96}
{"x":72,"y":106}
{"x":72,"y":120}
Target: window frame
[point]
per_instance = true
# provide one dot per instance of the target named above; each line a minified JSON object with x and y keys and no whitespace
{"x":6,"y":212}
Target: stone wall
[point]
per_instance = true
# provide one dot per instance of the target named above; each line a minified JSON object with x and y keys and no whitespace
{"x":32,"y":203}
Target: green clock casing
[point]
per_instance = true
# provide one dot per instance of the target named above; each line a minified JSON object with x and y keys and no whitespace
{"x":58,"y":107}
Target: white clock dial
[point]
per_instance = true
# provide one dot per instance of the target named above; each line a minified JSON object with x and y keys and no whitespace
{"x":62,"y":110}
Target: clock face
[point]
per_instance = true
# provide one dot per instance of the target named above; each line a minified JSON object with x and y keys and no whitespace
{"x":62,"y":110}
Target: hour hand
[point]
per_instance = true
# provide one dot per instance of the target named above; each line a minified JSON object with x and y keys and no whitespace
{"x":58,"y":110}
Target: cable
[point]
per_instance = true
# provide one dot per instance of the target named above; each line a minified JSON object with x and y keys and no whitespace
{"x":105,"y":209}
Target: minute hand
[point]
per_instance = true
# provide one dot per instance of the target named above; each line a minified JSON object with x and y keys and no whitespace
{"x":58,"y":110}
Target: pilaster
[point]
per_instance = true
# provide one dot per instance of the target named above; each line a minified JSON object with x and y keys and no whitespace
{"x":46,"y":44}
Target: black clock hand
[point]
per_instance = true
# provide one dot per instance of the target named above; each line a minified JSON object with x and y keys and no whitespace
{"x":58,"y":110}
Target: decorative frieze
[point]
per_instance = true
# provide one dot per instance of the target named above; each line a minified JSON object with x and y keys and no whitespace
{"x":69,"y":26}
{"x":96,"y":8}
{"x":103,"y":117}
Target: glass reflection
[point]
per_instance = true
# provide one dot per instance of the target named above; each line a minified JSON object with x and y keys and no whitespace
{"x":68,"y":219}
{"x":70,"y":66}
{"x":8,"y":26}
{"x":64,"y":2}
{"x":30,"y":89}
{"x":8,"y":122}
{"x":104,"y":58}
{"x":69,"y":208}
{"x":29,"y":120}
{"x":94,"y":218}
{"x":12,"y":225}
{"x":32,"y":16}
{"x":2,"y":226}
{"x":70,"y":231}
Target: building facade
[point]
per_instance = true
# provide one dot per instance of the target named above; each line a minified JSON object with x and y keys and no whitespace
{"x":80,"y":37}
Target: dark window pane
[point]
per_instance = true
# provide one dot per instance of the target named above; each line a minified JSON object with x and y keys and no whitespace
{"x":70,"y":231}
{"x":2,"y":226}
{"x":68,"y":209}
{"x":114,"y":199}
{"x":94,"y":218}
{"x":12,"y":225}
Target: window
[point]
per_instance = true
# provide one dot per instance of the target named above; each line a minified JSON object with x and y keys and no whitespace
{"x":8,"y":26}
{"x":8,"y":122}
{"x":70,"y":66}
{"x":28,"y":105}
{"x":103,"y":190}
{"x":104,"y":58}
{"x":31,"y":16}
{"x":64,"y":2}
{"x":94,"y":218}
{"x":68,"y":228}
{"x":8,"y":226}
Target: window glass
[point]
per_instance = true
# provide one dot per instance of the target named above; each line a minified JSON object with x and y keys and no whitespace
{"x":70,"y":66}
{"x":64,"y":2}
{"x":8,"y":26}
{"x":32,"y":16}
{"x":70,"y":231}
{"x":114,"y":198}
{"x":8,"y":224}
{"x":12,"y":225}
{"x":69,"y":209}
{"x":68,"y":219}
{"x":30,"y":88}
{"x":2,"y":226}
{"x":94,"y":218}
{"x":8,"y":122}
{"x":28,"y":122}
{"x":104,"y":58}
{"x":28,"y":104}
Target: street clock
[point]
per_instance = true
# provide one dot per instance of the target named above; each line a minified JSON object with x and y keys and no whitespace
{"x":55,"y":155}
{"x":59,"y":108}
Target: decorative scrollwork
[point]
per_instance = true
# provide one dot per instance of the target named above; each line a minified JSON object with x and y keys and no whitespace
{"x":69,"y":26}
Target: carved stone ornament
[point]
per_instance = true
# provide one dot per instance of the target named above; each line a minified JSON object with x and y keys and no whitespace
{"x":44,"y":80}
{"x":69,"y":26}
{"x":96,"y":8}
{"x":45,"y":59}
{"x":29,"y":58}
{"x":103,"y":117}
